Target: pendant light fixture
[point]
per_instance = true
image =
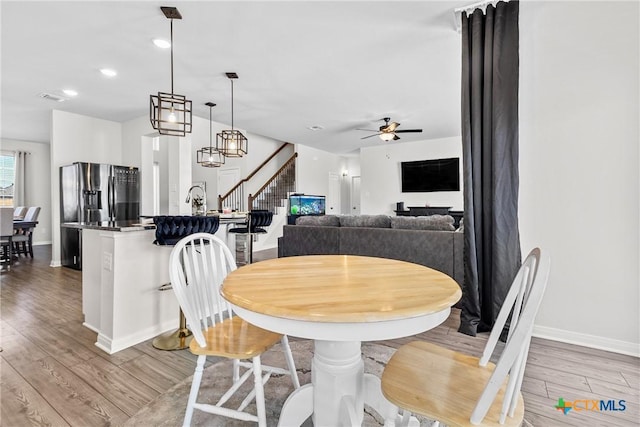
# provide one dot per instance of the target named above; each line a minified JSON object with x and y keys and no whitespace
{"x":170,"y":114}
{"x":232,"y":143}
{"x":210,"y":157}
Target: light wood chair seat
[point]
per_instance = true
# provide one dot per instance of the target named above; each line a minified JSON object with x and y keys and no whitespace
{"x":461,"y":390}
{"x":235,"y":338}
{"x":442,"y":384}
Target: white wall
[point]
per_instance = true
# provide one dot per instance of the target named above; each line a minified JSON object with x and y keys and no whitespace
{"x":312,"y":171}
{"x":76,"y":138}
{"x":579,"y":182}
{"x":381,"y":185}
{"x":37,"y":190}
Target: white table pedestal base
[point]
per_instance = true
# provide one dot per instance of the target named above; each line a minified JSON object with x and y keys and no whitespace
{"x":339,"y":391}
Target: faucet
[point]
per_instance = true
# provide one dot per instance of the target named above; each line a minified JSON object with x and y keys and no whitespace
{"x":204,"y":196}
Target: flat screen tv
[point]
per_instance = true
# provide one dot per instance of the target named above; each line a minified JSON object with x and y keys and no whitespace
{"x":302,"y":204}
{"x":425,"y":176}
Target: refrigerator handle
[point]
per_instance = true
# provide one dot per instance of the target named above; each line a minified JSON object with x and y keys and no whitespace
{"x":110,"y":199}
{"x":113,"y":198}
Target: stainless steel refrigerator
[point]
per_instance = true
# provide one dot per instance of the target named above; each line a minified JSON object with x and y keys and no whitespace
{"x":94,"y":192}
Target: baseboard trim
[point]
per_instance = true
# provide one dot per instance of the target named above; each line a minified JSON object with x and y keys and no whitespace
{"x":586,"y":340}
{"x":55,"y":264}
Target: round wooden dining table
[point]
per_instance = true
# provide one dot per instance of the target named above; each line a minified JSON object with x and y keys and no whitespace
{"x":339,"y":301}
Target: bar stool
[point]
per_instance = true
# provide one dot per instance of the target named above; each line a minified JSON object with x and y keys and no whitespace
{"x":169,"y":231}
{"x":256,"y":221}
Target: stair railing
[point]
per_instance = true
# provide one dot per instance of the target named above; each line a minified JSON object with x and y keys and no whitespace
{"x":276,"y":188}
{"x":234,"y":198}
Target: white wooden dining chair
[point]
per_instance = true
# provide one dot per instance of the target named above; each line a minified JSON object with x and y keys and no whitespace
{"x":19,"y":212}
{"x":198,"y":265}
{"x":457,"y":389}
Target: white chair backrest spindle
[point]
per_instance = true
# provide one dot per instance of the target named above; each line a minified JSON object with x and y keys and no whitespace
{"x":521,"y":303}
{"x":199,"y":264}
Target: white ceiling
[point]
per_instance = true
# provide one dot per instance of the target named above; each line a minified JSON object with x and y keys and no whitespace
{"x":340,"y":65}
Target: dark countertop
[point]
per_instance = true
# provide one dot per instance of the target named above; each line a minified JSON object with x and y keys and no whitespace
{"x":130,"y":225}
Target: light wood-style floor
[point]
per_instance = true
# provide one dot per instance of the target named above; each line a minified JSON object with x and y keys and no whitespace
{"x":52,"y":374}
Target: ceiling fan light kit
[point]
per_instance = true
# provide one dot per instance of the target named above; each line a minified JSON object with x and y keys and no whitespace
{"x":387,"y":132}
{"x":210,"y":157}
{"x":232,"y":143}
{"x":170,"y":113}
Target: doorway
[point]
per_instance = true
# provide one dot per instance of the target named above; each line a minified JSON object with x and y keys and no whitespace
{"x":355,"y":195}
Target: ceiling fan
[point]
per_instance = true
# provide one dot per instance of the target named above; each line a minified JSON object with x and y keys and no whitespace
{"x":387,"y":132}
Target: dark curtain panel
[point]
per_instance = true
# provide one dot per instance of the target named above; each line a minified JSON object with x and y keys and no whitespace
{"x":490,"y":162}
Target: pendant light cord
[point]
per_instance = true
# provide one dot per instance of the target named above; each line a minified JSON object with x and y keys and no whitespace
{"x":231,"y":104}
{"x":210,"y":140}
{"x":171,"y":56}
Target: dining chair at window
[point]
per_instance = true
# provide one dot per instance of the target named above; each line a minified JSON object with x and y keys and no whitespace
{"x":19,"y":212}
{"x":198,"y":265}
{"x":32,"y":214}
{"x":257,"y":221}
{"x":6,"y":236}
{"x":23,"y":240}
{"x":457,"y":389}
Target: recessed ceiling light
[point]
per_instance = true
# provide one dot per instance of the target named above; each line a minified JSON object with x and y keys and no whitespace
{"x":108,"y":72}
{"x":315,"y":127}
{"x":70,"y":92}
{"x":161,"y":43}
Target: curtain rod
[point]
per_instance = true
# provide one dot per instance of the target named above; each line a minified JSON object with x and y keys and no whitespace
{"x":482,"y":5}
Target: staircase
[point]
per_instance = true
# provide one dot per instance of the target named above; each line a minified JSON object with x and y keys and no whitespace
{"x":271,"y":196}
{"x":275,"y":191}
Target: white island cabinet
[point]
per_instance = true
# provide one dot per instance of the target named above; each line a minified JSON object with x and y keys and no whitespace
{"x":121,"y":274}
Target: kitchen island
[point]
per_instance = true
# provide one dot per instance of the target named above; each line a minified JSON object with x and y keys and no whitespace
{"x":121,"y":273}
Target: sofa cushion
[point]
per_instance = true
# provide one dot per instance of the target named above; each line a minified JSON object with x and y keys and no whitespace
{"x":372,"y":221}
{"x":431,"y":222}
{"x":310,"y":240}
{"x":425,"y":247}
{"x":319,"y":220}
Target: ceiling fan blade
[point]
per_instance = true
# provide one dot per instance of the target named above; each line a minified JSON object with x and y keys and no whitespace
{"x":368,"y":130}
{"x":365,"y":137}
{"x":409,"y":131}
{"x":396,"y":137}
{"x":392,"y":126}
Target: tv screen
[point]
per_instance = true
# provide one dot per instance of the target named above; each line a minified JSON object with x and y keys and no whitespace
{"x":431,"y":175}
{"x":306,"y":205}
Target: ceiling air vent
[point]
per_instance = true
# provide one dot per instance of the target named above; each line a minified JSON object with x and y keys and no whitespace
{"x":52,"y":97}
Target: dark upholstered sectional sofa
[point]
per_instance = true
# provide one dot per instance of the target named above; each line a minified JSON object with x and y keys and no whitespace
{"x":429,"y":241}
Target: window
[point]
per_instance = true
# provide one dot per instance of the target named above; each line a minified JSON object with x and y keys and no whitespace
{"x":7,"y":178}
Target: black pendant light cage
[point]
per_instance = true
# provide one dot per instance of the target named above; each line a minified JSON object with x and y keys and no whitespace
{"x":169,"y":113}
{"x":210,"y":157}
{"x":232,"y":143}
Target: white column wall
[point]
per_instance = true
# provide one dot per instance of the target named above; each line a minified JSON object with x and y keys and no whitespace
{"x":579,"y":182}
